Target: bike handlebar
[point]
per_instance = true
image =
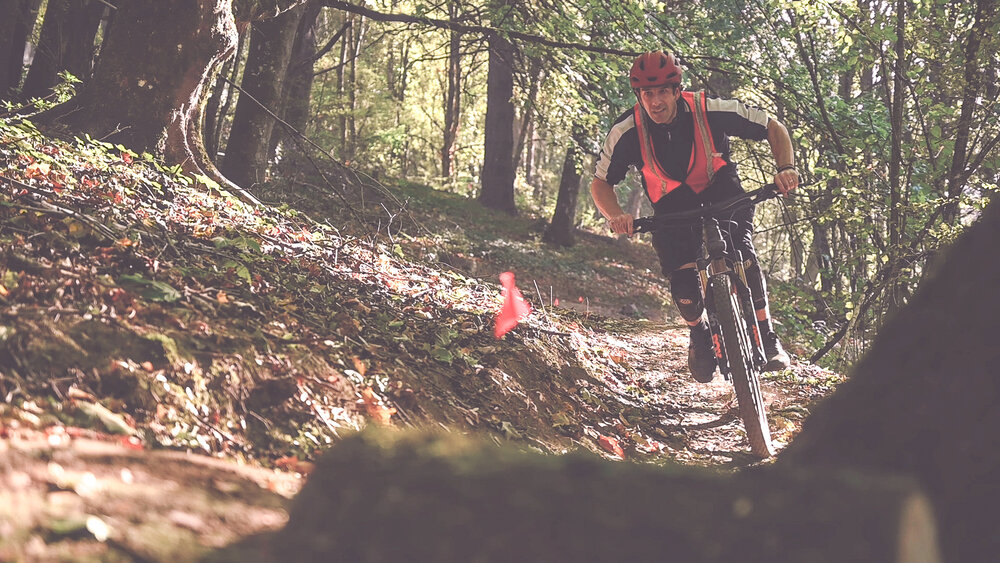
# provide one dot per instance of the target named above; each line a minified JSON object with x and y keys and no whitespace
{"x":692,"y":216}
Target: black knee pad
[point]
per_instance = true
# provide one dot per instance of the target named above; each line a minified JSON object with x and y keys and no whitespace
{"x":686,"y":292}
{"x":758,"y":289}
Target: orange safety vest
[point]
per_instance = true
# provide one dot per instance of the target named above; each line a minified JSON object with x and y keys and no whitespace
{"x":701,"y":170}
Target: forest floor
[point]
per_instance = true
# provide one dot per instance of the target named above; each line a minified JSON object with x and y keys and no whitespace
{"x":171,"y":361}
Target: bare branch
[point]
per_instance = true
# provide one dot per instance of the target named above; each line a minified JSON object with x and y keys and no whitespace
{"x":476,"y":29}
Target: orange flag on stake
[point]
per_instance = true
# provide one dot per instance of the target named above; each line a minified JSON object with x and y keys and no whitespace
{"x":514,"y":307}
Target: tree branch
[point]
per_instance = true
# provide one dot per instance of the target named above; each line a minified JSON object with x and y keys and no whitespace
{"x":476,"y":29}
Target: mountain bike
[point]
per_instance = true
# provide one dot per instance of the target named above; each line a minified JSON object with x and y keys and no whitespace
{"x":739,"y":349}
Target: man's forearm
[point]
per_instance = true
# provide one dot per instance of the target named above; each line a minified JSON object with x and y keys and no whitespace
{"x":605,"y":198}
{"x":781,"y":143}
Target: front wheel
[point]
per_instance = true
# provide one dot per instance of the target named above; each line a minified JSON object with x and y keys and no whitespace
{"x":739,"y":350}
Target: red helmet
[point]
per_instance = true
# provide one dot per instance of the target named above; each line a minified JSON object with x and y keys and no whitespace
{"x":653,"y":69}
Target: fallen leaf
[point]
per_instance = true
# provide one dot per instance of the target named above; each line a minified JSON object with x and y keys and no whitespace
{"x":131,"y":443}
{"x":186,"y":520}
{"x":99,"y":528}
{"x":222,"y":297}
{"x":75,"y":393}
{"x":359,"y":366}
{"x":114,"y":423}
{"x":39,"y":170}
{"x":375,"y":409}
{"x":610,"y":445}
{"x":293,"y":463}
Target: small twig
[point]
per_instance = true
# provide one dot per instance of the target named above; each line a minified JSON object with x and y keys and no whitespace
{"x":222,"y":433}
{"x":118,"y":129}
{"x":315,"y":409}
{"x":541,"y":302}
{"x":552,"y":332}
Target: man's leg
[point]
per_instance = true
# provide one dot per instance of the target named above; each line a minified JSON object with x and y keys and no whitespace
{"x":677,"y":249}
{"x":686,"y":293}
{"x":777,"y":359}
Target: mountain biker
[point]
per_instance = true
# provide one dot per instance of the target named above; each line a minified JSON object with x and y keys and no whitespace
{"x":679,"y":140}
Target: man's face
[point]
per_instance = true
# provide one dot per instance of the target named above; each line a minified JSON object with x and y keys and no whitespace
{"x":660,"y":102}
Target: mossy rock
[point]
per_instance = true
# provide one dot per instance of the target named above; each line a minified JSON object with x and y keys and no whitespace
{"x":417,"y":496}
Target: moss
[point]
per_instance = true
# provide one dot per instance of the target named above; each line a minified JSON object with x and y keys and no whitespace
{"x":168,"y":344}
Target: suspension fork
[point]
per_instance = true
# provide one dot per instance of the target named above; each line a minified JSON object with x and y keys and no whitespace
{"x":749,"y":312}
{"x":714,"y":263}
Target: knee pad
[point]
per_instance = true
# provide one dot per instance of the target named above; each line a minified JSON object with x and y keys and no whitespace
{"x":686,"y":292}
{"x":758,"y":289}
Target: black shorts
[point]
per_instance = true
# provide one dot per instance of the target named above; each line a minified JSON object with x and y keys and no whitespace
{"x":677,"y":246}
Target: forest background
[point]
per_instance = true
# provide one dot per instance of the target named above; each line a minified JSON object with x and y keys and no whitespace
{"x":892,"y":107}
{"x":263,"y":329}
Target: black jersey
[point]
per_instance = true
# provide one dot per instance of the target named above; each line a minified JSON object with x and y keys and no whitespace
{"x":673,"y":142}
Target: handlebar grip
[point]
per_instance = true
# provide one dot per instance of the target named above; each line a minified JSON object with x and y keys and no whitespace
{"x":642,"y":225}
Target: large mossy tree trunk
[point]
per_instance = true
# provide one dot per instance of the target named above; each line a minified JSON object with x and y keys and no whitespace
{"x":149,"y":86}
{"x":66,"y":43}
{"x":923,"y":401}
{"x":498,"y":166}
{"x":248,"y":150}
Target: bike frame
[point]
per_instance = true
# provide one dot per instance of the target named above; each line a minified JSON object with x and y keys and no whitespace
{"x":719,"y":259}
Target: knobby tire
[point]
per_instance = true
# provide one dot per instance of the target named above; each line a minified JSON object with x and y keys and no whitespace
{"x":738,"y":348}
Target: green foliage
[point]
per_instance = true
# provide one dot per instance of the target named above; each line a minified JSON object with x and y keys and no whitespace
{"x":825,"y":69}
{"x":61,"y":92}
{"x":149,"y":289}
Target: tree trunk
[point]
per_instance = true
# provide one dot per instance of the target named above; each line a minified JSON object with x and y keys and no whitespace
{"x":214,"y":112}
{"x":14,"y":29}
{"x":922,"y":402}
{"x":897,"y":217}
{"x":263,"y":81}
{"x":345,"y":55}
{"x":149,"y":86}
{"x":562,"y":229}
{"x":527,"y":120}
{"x":529,"y":161}
{"x":974,"y":79}
{"x":299,"y":79}
{"x":232,"y":94}
{"x":819,"y":264}
{"x":452,"y":500}
{"x":498,"y":166}
{"x":453,"y":98}
{"x":66,"y":43}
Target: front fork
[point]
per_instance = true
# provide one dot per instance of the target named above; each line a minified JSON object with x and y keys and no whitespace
{"x":708,"y":299}
{"x":749,"y":312}
{"x":720,"y":262}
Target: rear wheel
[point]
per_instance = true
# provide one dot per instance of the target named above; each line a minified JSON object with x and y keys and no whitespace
{"x":739,"y":350}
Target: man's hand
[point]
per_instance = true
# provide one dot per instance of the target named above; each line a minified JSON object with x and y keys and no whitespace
{"x":621,"y":224}
{"x":606,"y":200}
{"x":786,"y":181}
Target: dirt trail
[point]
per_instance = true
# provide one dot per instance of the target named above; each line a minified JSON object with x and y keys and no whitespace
{"x":701,"y":420}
